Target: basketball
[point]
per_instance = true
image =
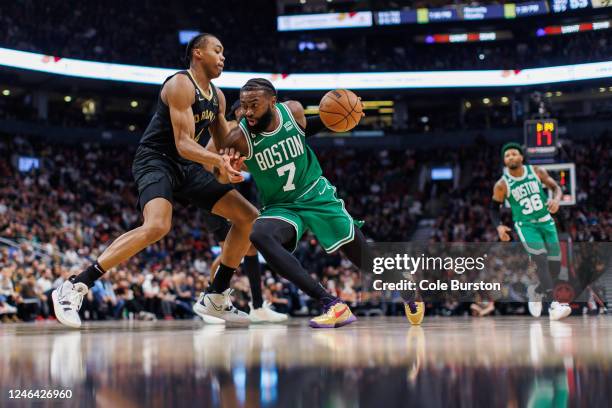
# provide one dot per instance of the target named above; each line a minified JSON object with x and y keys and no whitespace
{"x":340,"y":110}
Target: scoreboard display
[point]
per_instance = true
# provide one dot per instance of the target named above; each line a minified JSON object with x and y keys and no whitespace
{"x":541,"y":138}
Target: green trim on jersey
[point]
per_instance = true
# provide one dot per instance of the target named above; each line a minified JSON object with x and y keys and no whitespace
{"x":281,"y":163}
{"x":526,"y":196}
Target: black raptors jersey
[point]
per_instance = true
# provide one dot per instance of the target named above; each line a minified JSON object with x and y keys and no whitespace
{"x":159,"y":135}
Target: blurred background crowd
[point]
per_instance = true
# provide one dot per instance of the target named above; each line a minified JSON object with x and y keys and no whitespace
{"x":62,"y":215}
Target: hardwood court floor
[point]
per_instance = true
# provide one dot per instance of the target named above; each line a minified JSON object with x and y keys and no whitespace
{"x":377,"y":362}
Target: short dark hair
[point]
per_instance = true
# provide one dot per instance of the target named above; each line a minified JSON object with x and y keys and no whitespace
{"x":511,"y":145}
{"x":259,"y":84}
{"x":196,"y":42}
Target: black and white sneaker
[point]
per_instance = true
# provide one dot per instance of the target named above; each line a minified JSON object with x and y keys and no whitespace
{"x":67,"y":300}
{"x":208,"y":319}
{"x":221,"y":307}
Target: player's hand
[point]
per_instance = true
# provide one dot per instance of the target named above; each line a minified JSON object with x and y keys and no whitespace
{"x":362,"y":107}
{"x":227,"y":172}
{"x":503,"y":231}
{"x":236,"y":160}
{"x":231,"y":152}
{"x":553,"y":205}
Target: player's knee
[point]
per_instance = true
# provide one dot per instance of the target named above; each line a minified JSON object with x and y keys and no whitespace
{"x":154,"y":231}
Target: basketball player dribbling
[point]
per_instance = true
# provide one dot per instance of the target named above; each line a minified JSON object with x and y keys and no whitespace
{"x":170,"y":165}
{"x":271,"y":139}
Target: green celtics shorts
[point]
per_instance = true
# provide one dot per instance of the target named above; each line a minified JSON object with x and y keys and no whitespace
{"x":319,"y":210}
{"x":540,"y":238}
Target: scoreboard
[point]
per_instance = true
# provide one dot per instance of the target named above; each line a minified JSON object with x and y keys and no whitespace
{"x":541,"y":146}
{"x":541,"y":138}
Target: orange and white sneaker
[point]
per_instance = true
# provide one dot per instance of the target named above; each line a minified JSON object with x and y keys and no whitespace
{"x":337,"y":314}
{"x":415,"y":312}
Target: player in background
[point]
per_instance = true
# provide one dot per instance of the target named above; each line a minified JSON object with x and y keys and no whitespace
{"x":170,"y":165}
{"x":522,"y":185}
{"x":271,"y":138}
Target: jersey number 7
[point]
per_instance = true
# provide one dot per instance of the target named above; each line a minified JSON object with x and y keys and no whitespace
{"x":289,"y":167}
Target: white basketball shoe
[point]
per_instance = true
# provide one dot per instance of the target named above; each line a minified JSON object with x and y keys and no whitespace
{"x":219,"y":305}
{"x":67,"y":300}
{"x":558,"y":311}
{"x":265,"y":314}
{"x":535,"y":301}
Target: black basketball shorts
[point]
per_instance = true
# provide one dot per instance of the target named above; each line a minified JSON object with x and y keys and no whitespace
{"x":158,"y":175}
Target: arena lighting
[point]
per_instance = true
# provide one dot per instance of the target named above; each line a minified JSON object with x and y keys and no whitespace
{"x":306,"y":82}
{"x":134,"y":104}
{"x":376,"y":104}
{"x":6,"y":92}
{"x":67,"y":98}
{"x":486,"y":101}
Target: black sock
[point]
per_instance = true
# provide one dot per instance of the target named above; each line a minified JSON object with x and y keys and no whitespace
{"x":222,"y":279}
{"x":90,"y":275}
{"x":252,"y":271}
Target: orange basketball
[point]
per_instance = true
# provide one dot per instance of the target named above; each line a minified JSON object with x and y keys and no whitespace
{"x":340,"y":110}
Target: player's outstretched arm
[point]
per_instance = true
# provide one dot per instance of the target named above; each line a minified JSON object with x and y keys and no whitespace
{"x":553,"y":203}
{"x":178,"y":93}
{"x":499,"y":195}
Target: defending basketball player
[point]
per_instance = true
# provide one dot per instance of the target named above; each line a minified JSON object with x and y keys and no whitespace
{"x":523,"y":187}
{"x":170,"y":165}
{"x":295,"y":195}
